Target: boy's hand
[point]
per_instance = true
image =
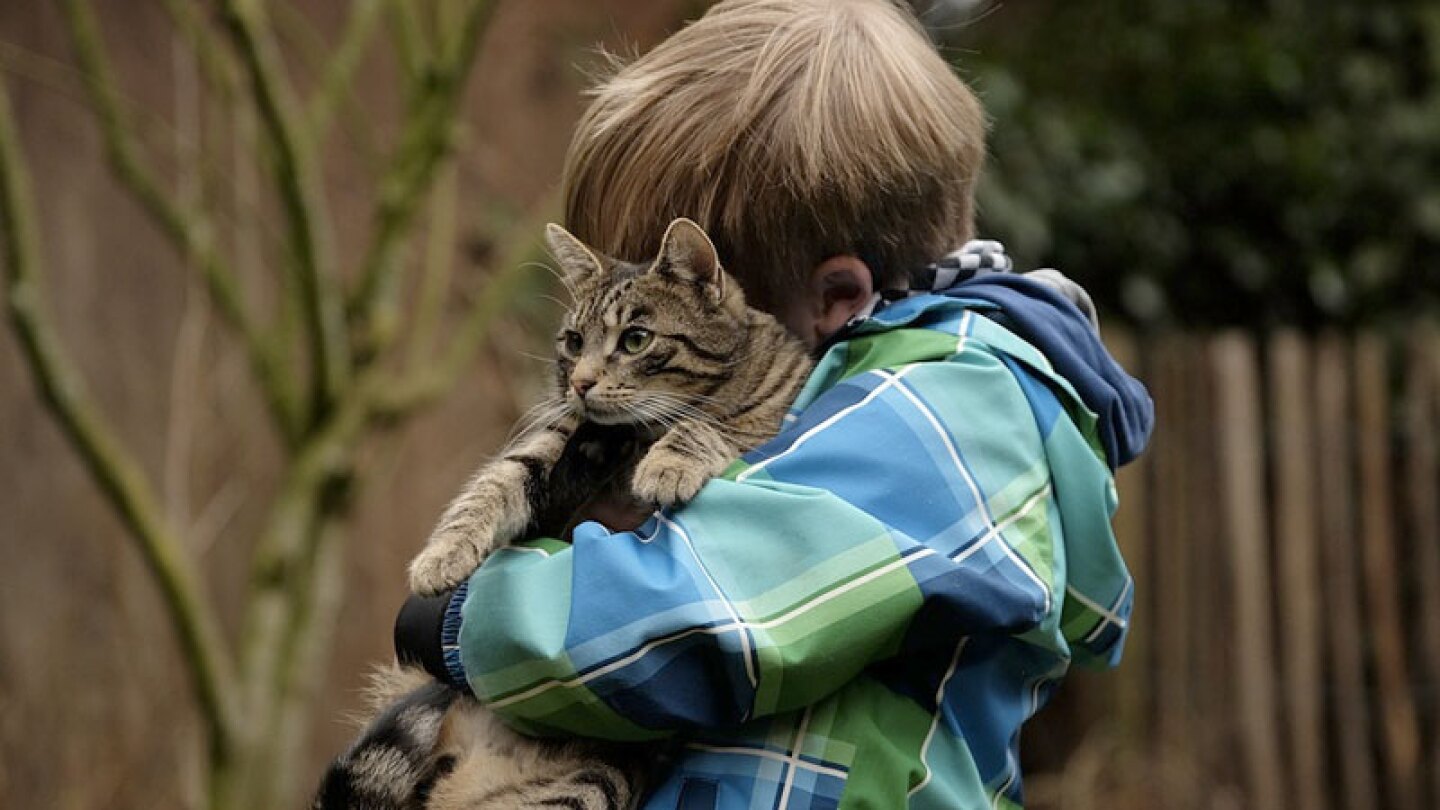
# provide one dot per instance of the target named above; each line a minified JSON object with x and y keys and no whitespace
{"x":615,"y":513}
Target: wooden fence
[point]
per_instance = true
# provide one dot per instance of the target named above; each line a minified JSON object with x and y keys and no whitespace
{"x":1284,"y":534}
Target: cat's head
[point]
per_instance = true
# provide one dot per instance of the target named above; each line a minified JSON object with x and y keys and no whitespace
{"x":647,"y":343}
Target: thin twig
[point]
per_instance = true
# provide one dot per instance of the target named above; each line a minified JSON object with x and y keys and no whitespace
{"x":217,"y":63}
{"x":411,"y":49}
{"x":187,"y":227}
{"x":339,"y":74}
{"x":190,"y":340}
{"x":439,"y":263}
{"x":425,"y":144}
{"x":54,"y":75}
{"x":107,"y":462}
{"x":424,"y":385}
{"x":307,"y":645}
{"x":298,"y":36}
{"x":301,"y":198}
{"x":67,"y":81}
{"x":285,"y":584}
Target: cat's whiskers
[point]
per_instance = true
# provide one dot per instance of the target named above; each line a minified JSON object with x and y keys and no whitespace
{"x":568,"y":308}
{"x":668,"y":412}
{"x":549,"y":361}
{"x":541,"y":416}
{"x":676,"y":409}
{"x":563,"y":278}
{"x":688,"y":411}
{"x":676,"y":404}
{"x":687,"y":398}
{"x":647,"y":417}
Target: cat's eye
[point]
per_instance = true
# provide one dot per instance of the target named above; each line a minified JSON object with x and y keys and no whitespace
{"x":634,"y":341}
{"x":573,"y":341}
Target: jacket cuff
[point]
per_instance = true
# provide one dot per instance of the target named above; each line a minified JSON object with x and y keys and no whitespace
{"x":427,"y":634}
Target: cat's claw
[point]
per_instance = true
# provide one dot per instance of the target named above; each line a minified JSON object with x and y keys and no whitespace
{"x":666,"y":482}
{"x":443,"y":565}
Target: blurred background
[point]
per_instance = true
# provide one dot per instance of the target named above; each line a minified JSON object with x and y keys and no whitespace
{"x":267,"y":275}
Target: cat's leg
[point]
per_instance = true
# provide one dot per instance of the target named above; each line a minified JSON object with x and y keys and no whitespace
{"x":396,"y":757}
{"x":680,"y":462}
{"x":595,"y":786}
{"x":496,"y":768}
{"x":494,"y":507}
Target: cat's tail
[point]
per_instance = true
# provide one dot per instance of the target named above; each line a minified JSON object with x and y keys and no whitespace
{"x":396,"y":760}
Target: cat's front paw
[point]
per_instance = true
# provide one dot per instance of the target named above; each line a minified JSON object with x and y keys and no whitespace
{"x":445,"y":562}
{"x":667,"y":479}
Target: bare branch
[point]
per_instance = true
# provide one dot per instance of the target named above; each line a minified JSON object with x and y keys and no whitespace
{"x":439,"y":262}
{"x":185,"y":368}
{"x":106,"y":461}
{"x":218,"y":64}
{"x":299,"y":36}
{"x":425,"y":143}
{"x":54,"y":75}
{"x":459,"y":50}
{"x":423,"y":386}
{"x":301,"y":198}
{"x":67,"y":81}
{"x":340,"y":70}
{"x":307,"y":645}
{"x":409,"y":41}
{"x":188,"y":227}
{"x":295,"y":562}
{"x":283,"y":578}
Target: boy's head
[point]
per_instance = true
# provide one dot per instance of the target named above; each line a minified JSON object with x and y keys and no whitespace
{"x":812,"y":139}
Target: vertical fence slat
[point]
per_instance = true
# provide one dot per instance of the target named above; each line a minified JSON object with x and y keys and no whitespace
{"x":1345,"y":644}
{"x":1242,"y":449}
{"x":1382,"y":579}
{"x":1422,"y":474}
{"x":1298,"y":568}
{"x":1212,"y":589}
{"x":1131,"y":683}
{"x":1173,"y":649}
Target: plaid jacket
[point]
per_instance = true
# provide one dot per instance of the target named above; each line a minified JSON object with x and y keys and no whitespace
{"x":861,"y":613}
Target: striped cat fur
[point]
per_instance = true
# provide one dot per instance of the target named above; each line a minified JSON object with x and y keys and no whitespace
{"x":663,"y":376}
{"x":431,"y":748}
{"x":667,"y":352}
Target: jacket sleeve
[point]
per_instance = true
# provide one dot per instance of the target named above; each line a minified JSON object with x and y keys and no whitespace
{"x":899,"y":503}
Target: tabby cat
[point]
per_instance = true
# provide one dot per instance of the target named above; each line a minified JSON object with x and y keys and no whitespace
{"x":665,"y":351}
{"x":663,"y":377}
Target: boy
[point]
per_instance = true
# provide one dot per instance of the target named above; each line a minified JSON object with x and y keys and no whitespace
{"x":862,"y":612}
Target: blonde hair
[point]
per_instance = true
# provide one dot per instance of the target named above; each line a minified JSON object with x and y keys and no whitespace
{"x":792,"y":131}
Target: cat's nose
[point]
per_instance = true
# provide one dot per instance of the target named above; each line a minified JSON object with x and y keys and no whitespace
{"x":581,"y":385}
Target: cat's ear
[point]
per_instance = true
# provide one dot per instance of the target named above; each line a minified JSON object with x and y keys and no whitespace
{"x":576,"y":258}
{"x":687,"y":252}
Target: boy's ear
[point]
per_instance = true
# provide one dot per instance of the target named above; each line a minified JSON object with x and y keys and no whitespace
{"x":576,"y":258}
{"x":839,"y":289}
{"x":687,"y":253}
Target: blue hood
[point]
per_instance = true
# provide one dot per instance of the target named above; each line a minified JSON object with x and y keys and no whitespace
{"x":1050,"y":322}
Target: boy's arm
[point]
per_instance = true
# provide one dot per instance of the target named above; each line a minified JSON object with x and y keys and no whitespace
{"x":776,"y":586}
